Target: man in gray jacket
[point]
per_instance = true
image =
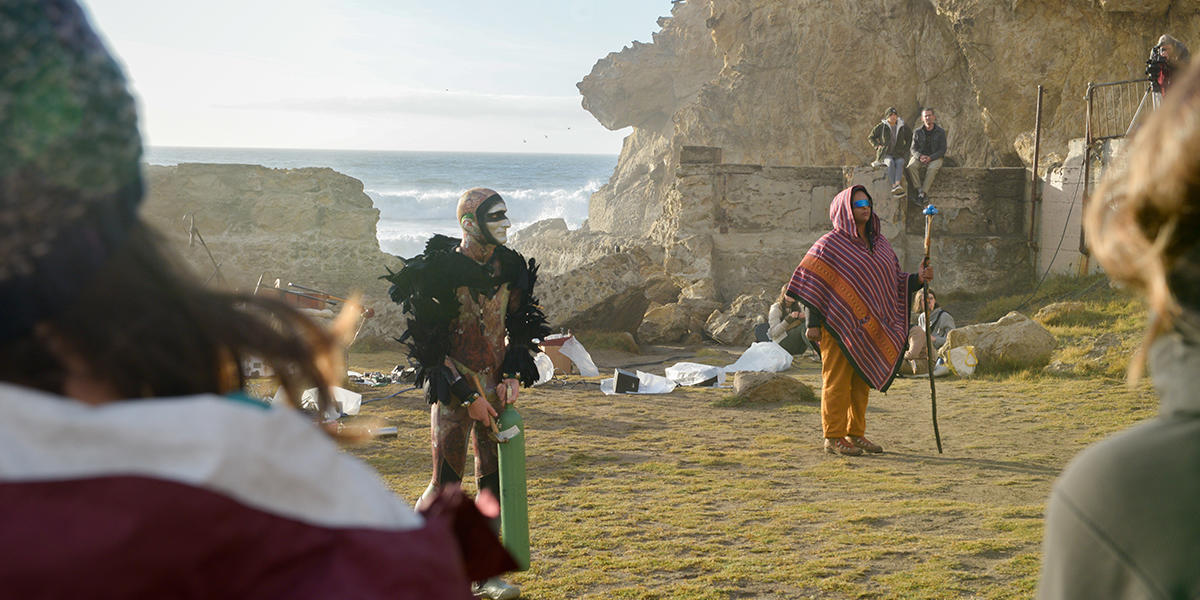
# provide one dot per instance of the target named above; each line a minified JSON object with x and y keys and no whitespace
{"x":928,"y":148}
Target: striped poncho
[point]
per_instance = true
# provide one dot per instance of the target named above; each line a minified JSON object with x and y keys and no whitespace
{"x":860,"y":292}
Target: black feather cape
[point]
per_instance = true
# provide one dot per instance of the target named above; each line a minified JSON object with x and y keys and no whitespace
{"x":425,"y":288}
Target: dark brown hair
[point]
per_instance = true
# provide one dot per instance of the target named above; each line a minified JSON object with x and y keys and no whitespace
{"x":1143,"y":223}
{"x":147,"y":328}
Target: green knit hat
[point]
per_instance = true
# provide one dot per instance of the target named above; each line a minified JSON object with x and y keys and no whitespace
{"x":70,"y":153}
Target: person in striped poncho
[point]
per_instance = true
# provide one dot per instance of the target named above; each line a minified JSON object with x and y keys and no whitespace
{"x":857,"y":297}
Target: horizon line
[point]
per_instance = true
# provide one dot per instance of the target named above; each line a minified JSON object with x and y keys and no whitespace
{"x":165,"y":146}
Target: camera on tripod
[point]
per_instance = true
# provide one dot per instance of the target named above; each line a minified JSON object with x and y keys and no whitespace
{"x":1158,"y":68}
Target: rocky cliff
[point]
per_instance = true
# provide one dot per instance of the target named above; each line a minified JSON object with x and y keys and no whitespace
{"x":801,"y":83}
{"x":314,"y":227}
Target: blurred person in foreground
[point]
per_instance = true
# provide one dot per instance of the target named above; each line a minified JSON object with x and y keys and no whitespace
{"x":131,"y":465}
{"x":1122,"y":520}
{"x":857,"y":299}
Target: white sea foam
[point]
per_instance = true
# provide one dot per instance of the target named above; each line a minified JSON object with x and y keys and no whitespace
{"x":416,"y":192}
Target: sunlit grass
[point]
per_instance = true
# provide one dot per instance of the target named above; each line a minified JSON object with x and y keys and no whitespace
{"x":684,"y":496}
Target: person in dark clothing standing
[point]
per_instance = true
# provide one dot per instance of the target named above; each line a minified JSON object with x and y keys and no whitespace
{"x":473,"y":319}
{"x":928,"y":148}
{"x":1122,"y":520}
{"x":891,"y":138}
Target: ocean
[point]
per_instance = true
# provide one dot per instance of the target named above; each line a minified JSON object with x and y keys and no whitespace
{"x":416,"y":192}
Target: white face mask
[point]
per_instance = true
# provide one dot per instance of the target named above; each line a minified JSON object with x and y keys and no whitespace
{"x":496,"y":222}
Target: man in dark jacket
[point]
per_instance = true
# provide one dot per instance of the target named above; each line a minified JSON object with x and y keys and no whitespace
{"x":891,"y":138}
{"x":928,"y":148}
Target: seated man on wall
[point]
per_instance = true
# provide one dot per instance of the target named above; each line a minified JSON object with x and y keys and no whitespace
{"x":928,"y":148}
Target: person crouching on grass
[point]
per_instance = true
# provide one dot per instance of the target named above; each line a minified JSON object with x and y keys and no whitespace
{"x":857,"y":297}
{"x":1122,"y":519}
{"x":131,"y":465}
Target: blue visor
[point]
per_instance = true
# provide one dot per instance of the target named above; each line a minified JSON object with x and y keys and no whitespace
{"x":861,"y":203}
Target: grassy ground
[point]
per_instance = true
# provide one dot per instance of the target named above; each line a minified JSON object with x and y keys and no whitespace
{"x":680,"y":496}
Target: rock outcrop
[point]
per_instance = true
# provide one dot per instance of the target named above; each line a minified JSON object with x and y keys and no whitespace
{"x":752,"y":387}
{"x":607,"y":294}
{"x":796,"y":84}
{"x":314,"y":227}
{"x":1014,"y":341}
{"x":736,"y":326}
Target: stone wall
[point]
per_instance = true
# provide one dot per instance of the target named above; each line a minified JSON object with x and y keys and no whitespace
{"x":1060,"y":212}
{"x":746,"y":227}
{"x":802,"y":83}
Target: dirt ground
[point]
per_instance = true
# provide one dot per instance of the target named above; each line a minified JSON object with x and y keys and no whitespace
{"x":684,"y":495}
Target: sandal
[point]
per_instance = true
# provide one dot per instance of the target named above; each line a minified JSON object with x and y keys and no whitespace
{"x":841,"y":446}
{"x":862,"y":442}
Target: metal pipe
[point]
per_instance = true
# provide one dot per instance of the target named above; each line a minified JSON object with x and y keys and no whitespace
{"x":1087,"y":175}
{"x":1035,"y":189}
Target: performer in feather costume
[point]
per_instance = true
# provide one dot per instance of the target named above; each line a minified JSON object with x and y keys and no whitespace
{"x":473,"y":319}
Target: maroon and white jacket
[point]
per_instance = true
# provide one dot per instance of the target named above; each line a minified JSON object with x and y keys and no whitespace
{"x":207,"y":497}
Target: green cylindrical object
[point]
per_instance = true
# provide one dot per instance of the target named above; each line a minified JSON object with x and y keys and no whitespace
{"x":514,"y":509}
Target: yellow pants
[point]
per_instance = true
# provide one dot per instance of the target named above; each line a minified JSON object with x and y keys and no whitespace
{"x":843,"y":392}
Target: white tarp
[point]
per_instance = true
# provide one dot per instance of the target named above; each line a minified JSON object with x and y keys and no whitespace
{"x":762,"y":356}
{"x":690,"y":373}
{"x":545,"y":368}
{"x":575,"y":351}
{"x":345,"y":402}
{"x":648,"y":383}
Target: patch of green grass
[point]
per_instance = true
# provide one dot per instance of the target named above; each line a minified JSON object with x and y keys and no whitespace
{"x":681,"y":496}
{"x":608,"y":340}
{"x":1059,"y":288}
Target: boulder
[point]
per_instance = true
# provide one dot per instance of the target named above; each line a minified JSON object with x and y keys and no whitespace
{"x":770,"y":387}
{"x":1015,"y":340}
{"x":675,"y":322}
{"x":1053,"y":314}
{"x":664,"y":291}
{"x":703,"y":289}
{"x":545,"y":227}
{"x":608,"y":294}
{"x":736,"y":326}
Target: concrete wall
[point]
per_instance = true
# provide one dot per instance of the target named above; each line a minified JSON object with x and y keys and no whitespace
{"x":1060,"y":212}
{"x":753,"y":224}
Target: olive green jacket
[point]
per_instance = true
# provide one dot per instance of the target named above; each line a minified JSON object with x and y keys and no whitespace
{"x":881,"y":138}
{"x":1124,"y":518}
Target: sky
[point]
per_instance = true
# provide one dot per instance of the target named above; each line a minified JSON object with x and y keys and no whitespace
{"x":443,"y":75}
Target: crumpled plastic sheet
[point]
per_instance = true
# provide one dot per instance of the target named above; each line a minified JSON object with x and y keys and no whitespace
{"x":648,"y":383}
{"x":545,"y":368}
{"x":575,"y":351}
{"x":345,"y":402}
{"x":690,"y":373}
{"x":762,"y":356}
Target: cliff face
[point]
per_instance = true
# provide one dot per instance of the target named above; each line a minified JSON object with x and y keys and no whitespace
{"x":314,"y":227}
{"x":802,"y":83}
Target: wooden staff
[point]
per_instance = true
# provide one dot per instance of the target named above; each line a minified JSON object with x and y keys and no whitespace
{"x":929,"y":212}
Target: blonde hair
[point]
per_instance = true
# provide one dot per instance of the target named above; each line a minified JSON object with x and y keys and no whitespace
{"x":919,"y":295}
{"x":1142,"y":223}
